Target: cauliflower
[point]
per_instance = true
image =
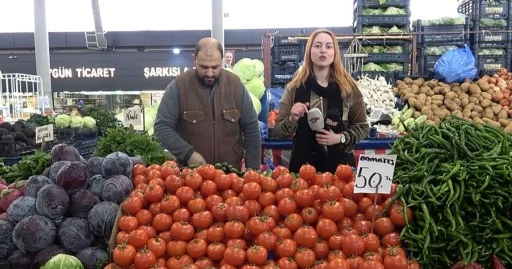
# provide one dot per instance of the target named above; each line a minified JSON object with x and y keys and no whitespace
{"x":62,"y":121}
{"x":77,"y":122}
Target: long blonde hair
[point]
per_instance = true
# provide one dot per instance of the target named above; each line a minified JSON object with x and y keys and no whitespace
{"x":337,"y":72}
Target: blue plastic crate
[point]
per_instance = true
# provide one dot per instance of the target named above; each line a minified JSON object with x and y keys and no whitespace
{"x":481,"y":9}
{"x":287,"y":53}
{"x":377,"y":4}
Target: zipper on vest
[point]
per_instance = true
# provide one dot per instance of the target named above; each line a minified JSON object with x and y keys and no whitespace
{"x":212,"y":107}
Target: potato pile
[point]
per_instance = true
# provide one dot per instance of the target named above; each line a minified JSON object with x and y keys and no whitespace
{"x":469,"y":100}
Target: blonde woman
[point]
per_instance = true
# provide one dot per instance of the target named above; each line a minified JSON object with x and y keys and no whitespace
{"x":322,"y":82}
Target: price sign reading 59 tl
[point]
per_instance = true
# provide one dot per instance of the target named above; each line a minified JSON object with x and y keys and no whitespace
{"x":375,"y":173}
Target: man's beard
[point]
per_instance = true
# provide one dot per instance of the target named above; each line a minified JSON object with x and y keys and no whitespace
{"x":206,"y":82}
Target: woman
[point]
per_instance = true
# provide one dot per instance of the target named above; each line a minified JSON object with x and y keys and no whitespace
{"x":322,"y":82}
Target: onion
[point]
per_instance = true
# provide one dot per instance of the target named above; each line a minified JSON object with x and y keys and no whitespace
{"x":492,"y":80}
{"x":504,"y":102}
{"x":497,"y":96}
{"x":495,"y":76}
{"x":510,"y":113}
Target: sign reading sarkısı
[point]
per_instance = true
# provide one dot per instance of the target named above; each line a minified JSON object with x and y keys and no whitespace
{"x":173,"y":71}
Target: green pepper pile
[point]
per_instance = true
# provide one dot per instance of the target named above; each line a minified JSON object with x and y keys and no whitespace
{"x":457,"y":179}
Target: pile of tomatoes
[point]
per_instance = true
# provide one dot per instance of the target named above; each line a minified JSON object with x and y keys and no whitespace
{"x":204,"y":218}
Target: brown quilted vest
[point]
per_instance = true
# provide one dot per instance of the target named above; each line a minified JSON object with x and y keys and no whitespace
{"x":214,"y":131}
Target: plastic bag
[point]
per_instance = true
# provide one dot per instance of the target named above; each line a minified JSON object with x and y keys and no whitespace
{"x":456,"y":65}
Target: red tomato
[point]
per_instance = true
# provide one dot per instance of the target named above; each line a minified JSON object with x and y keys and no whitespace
{"x":353,"y":245}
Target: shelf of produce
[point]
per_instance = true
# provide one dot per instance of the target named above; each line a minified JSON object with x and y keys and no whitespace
{"x":382,"y":20}
{"x":442,"y":35}
{"x":490,"y":64}
{"x":492,"y":37}
{"x":478,"y":9}
{"x":381,"y":3}
{"x":287,"y":53}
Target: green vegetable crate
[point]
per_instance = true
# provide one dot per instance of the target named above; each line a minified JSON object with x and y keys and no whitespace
{"x":381,"y":3}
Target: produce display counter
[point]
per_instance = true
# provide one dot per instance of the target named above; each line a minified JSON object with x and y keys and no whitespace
{"x":278,"y":151}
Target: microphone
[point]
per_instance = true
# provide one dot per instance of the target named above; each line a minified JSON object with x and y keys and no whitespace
{"x":333,"y":120}
{"x":315,"y":119}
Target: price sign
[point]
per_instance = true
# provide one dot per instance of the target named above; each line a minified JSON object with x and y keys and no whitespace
{"x":375,"y":173}
{"x":44,"y":133}
{"x":133,"y":116}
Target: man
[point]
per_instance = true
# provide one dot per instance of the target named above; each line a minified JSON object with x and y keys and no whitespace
{"x":228,"y":60}
{"x":206,"y":114}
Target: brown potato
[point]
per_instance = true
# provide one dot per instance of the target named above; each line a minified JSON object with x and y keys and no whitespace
{"x":474,"y":100}
{"x":418,"y":81}
{"x":457,"y":101}
{"x":466,"y":113}
{"x":417,"y":114}
{"x":488,"y":114}
{"x":438,"y":89}
{"x":429,"y":122}
{"x":478,"y":120}
{"x":485,"y":103}
{"x":437,"y":102}
{"x":475,"y":114}
{"x":486,"y":95}
{"x":484,"y":86}
{"x":464,"y":101}
{"x":445,"y":89}
{"x":437,"y":120}
{"x":496,"y":108}
{"x":431,"y":92}
{"x":465,"y":86}
{"x":431,"y":83}
{"x":502,"y":115}
{"x":451,"y":105}
{"x":450,"y":95}
{"x":492,"y":122}
{"x":422,"y":97}
{"x":508,"y":129}
{"x":474,"y":89}
{"x":408,"y":80}
{"x":457,"y":89}
{"x":469,"y":106}
{"x":478,"y":108}
{"x":438,"y":97}
{"x":425,"y":89}
{"x":504,"y":122}
{"x":415,"y":89}
{"x":412,"y":101}
{"x":457,"y":113}
{"x":463,"y":95}
{"x":409,"y":96}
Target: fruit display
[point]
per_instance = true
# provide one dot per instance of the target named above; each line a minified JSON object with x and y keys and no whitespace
{"x":204,"y":217}
{"x":69,"y":208}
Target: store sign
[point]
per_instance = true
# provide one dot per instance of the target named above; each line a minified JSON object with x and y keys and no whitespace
{"x":83,"y":72}
{"x":375,"y":173}
{"x":44,"y":133}
{"x":133,"y":116}
{"x":150,"y":72}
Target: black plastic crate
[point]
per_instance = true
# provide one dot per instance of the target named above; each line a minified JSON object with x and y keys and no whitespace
{"x":489,"y":64}
{"x":86,"y":132}
{"x":440,"y":35}
{"x":480,"y":9}
{"x":282,"y":74}
{"x":389,"y":76}
{"x":386,"y":56}
{"x":426,"y":63}
{"x":382,"y":20}
{"x":280,"y":41}
{"x":493,"y":37}
{"x":377,"y":3}
{"x":63,"y":133}
{"x":12,"y":149}
{"x":86,"y":147}
{"x":287,"y":54}
{"x":358,"y":28}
